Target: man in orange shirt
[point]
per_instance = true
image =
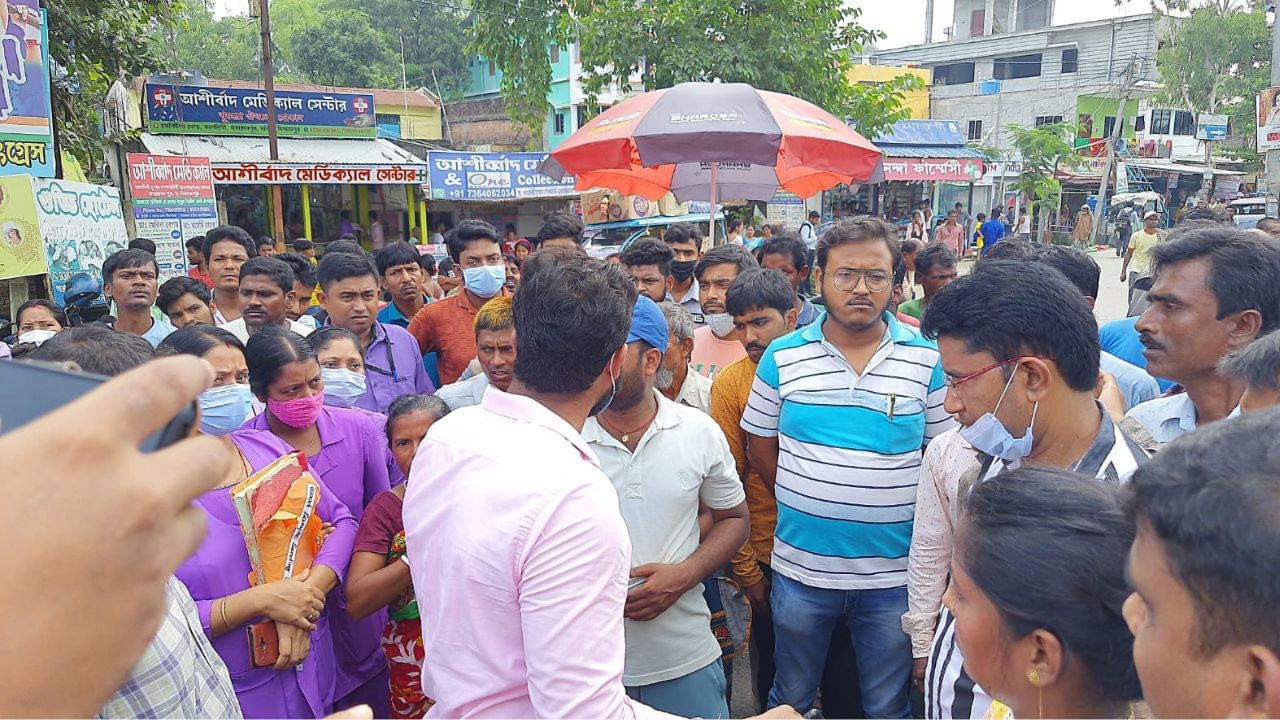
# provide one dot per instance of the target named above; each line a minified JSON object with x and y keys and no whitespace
{"x":762,"y":303}
{"x":447,"y":327}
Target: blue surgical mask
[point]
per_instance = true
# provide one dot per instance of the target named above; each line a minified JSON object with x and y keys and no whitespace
{"x":342,"y":388}
{"x":990,"y":436}
{"x":485,"y":281}
{"x":224,"y":408}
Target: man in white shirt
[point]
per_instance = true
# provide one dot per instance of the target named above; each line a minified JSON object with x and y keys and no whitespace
{"x":1215,"y":291}
{"x":495,"y":351}
{"x":1023,"y":228}
{"x":809,"y":230}
{"x":266,"y":288}
{"x":665,"y":460}
{"x":676,"y":378}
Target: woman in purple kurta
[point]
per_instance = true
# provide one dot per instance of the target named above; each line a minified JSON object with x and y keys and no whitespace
{"x":346,"y":449}
{"x":217,"y":575}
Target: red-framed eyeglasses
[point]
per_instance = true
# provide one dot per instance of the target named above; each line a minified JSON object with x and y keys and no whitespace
{"x":954,"y":383}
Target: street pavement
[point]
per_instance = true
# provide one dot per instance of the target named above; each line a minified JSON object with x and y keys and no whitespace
{"x":1112,"y":304}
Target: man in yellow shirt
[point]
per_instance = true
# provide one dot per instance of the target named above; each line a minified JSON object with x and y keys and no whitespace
{"x":1138,"y":258}
{"x":762,"y":303}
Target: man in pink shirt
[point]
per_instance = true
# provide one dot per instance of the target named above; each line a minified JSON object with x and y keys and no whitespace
{"x":951,"y":232}
{"x":519,"y":554}
{"x":715,"y":345}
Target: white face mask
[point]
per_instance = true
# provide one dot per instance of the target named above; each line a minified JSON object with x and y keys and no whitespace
{"x":990,"y":436}
{"x":36,"y":337}
{"x":720,"y":323}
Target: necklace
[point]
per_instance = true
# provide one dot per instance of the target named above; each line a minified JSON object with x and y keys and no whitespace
{"x":625,"y":437}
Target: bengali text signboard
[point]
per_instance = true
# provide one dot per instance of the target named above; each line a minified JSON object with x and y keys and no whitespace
{"x":493,"y":176}
{"x":185,"y":110}
{"x":931,"y":169}
{"x":26,"y":131}
{"x":172,"y":201}
{"x":81,"y":225}
{"x":319,"y":174}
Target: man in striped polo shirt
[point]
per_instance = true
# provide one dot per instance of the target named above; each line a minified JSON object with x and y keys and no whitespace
{"x":838,"y":414}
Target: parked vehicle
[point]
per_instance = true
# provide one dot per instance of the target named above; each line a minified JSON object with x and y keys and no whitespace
{"x":1249,"y":210}
{"x":604,"y":239}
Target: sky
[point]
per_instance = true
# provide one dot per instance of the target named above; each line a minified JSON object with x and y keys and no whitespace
{"x":903,"y":20}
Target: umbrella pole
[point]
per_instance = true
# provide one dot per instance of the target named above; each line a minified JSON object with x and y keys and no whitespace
{"x":711,"y":222}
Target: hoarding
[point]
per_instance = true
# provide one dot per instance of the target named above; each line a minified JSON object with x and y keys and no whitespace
{"x":26,"y":131}
{"x":1268,"y":117}
{"x":21,"y":252}
{"x":186,"y":110}
{"x":81,"y":225}
{"x":172,"y":201}
{"x":492,"y":176}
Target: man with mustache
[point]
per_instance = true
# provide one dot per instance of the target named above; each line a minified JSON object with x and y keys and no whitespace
{"x":401,"y":274}
{"x":716,"y":346}
{"x":495,"y":351}
{"x":665,"y":461}
{"x":266,"y":288}
{"x":676,"y":378}
{"x":837,"y":417}
{"x":1215,"y":291}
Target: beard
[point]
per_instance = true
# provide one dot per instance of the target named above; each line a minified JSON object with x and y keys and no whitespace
{"x":631,"y":388}
{"x":664,"y":379}
{"x":605,"y":400}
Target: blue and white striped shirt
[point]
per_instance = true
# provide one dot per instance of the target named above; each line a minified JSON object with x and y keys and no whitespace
{"x":849,"y":450}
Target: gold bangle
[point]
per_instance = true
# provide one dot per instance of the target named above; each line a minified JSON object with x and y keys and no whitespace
{"x":226,"y":625}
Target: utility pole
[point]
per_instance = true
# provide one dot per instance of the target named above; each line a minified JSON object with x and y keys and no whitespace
{"x":928,"y":21}
{"x":1117,"y":130}
{"x":273,"y":145}
{"x":1273,"y":156}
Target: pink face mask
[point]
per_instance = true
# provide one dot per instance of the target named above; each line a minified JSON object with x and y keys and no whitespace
{"x":299,"y":412}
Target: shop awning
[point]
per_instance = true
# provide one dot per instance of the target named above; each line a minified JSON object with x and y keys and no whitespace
{"x":302,"y":160}
{"x":928,"y":150}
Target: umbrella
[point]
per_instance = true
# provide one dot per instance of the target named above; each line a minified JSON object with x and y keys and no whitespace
{"x":701,"y":140}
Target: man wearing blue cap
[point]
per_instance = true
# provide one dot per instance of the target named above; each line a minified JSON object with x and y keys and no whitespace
{"x":663,"y":458}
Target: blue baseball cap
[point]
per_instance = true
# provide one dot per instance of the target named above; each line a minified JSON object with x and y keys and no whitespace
{"x":648,"y":324}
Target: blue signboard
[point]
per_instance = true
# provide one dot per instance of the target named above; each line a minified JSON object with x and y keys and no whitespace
{"x":26,"y":130}
{"x":922,"y":132}
{"x":184,"y":110}
{"x":492,"y":176}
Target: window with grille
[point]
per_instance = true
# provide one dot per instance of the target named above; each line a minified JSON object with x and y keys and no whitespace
{"x":1048,"y":120}
{"x":975,"y":130}
{"x":1184,"y":123}
{"x":559,"y":123}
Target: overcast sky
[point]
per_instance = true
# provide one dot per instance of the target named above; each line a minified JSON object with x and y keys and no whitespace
{"x":901,"y":20}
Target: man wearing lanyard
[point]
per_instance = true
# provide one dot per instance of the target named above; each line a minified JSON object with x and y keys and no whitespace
{"x":393,"y":366}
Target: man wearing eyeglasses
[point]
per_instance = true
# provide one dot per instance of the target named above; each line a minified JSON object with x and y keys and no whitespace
{"x":837,"y":416}
{"x":1021,"y":358}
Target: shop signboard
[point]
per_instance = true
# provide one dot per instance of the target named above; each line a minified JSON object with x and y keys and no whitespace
{"x":317,"y":174}
{"x":464,"y":177}
{"x":933,"y":169}
{"x":187,"y":110}
{"x":21,"y":252}
{"x":80,"y":224}
{"x":786,"y":210}
{"x":172,"y":201}
{"x":26,"y":130}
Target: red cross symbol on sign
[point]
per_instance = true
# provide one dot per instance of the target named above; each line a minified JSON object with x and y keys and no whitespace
{"x":161,"y":97}
{"x":360,"y":105}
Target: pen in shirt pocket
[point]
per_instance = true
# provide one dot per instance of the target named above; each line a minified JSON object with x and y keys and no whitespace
{"x":893,"y":401}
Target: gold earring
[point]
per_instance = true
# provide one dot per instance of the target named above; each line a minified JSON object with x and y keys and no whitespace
{"x":1033,"y":675}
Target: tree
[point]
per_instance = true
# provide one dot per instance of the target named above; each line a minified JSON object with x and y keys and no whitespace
{"x":225,"y":49}
{"x":799,"y":47}
{"x":341,"y":47}
{"x":91,"y":43}
{"x":1043,"y":149}
{"x":1216,"y":61}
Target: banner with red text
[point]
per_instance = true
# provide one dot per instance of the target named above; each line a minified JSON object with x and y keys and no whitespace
{"x":933,"y":169}
{"x":172,"y":201}
{"x":317,"y":174}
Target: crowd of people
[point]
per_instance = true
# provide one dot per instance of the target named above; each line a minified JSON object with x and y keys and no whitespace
{"x":554,"y":486}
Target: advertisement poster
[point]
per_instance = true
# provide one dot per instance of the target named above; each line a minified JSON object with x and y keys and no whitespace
{"x":81,"y":224}
{"x":172,"y":201}
{"x":184,"y":110}
{"x":1268,"y":108}
{"x":786,"y":210}
{"x":21,"y":252}
{"x":493,"y":176}
{"x":26,"y":131}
